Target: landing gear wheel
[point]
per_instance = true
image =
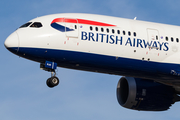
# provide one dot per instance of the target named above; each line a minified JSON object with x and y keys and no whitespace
{"x":48,"y":83}
{"x":52,"y":82}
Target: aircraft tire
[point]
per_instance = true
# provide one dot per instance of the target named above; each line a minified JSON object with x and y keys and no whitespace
{"x":52,"y":82}
{"x":48,"y":83}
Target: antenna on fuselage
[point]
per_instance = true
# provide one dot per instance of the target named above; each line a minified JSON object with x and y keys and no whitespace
{"x":135,"y":18}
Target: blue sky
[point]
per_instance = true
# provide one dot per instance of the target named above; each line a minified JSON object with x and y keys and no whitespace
{"x":80,"y":95}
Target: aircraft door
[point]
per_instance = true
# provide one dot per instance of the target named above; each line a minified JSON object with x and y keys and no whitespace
{"x":72,"y":27}
{"x":153,"y":44}
{"x":153,"y":35}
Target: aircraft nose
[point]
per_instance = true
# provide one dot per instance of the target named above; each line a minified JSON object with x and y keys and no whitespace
{"x":12,"y":42}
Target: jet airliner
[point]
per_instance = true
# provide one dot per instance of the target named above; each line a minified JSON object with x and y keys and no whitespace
{"x":146,"y":54}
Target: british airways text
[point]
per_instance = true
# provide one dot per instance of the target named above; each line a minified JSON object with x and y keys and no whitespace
{"x":133,"y":42}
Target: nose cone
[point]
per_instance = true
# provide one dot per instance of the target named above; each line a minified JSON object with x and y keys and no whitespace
{"x":12,"y":43}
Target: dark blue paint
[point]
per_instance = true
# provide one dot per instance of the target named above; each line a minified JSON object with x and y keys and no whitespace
{"x":102,"y":63}
{"x":61,"y":28}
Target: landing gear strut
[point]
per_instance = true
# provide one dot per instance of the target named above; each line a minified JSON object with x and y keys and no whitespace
{"x":50,"y":67}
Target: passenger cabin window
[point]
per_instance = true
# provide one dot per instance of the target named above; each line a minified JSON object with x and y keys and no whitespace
{"x":96,"y":28}
{"x":134,"y":34}
{"x":25,"y":25}
{"x":129,"y":33}
{"x":91,"y":28}
{"x":36,"y":25}
{"x":118,"y":31}
{"x":166,"y":38}
{"x":172,"y":39}
{"x":113,"y":31}
{"x":156,"y":37}
{"x":177,"y":40}
{"x":102,"y":30}
{"x":107,"y":30}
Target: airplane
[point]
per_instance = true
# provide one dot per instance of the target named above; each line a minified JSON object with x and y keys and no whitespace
{"x":146,"y":54}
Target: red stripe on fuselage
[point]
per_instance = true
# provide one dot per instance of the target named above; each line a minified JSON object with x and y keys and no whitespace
{"x":81,"y":21}
{"x":58,"y":20}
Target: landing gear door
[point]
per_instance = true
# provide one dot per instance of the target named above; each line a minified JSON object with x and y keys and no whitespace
{"x":72,"y":27}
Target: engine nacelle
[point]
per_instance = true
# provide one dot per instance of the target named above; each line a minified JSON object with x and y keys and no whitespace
{"x":146,"y":95}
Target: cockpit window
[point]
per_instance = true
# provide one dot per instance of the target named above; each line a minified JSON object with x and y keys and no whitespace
{"x":25,"y":25}
{"x":36,"y":25}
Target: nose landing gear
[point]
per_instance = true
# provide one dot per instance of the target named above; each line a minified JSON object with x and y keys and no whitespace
{"x":50,"y":67}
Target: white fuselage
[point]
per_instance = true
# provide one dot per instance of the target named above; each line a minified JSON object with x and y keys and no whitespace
{"x":102,"y":44}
